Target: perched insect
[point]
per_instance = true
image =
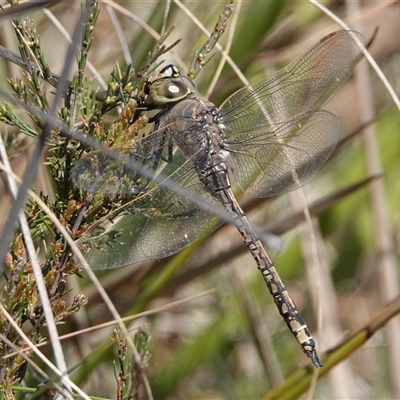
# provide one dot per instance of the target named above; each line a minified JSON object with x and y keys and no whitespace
{"x":272,"y":131}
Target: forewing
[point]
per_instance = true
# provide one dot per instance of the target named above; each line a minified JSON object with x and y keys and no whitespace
{"x":306,"y":84}
{"x":117,"y":170}
{"x":285,"y":156}
{"x":156,"y":224}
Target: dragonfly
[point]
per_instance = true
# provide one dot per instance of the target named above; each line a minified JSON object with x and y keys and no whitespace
{"x":272,"y":136}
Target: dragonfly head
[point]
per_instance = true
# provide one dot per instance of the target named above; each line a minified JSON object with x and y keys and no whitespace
{"x":168,"y":87}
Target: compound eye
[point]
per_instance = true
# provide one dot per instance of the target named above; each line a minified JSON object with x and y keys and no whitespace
{"x":168,"y":87}
{"x":167,"y":90}
{"x":170,"y":90}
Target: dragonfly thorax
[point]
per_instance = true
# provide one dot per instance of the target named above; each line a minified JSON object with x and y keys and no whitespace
{"x":194,"y":124}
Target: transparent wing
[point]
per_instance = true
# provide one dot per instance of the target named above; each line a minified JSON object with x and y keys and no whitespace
{"x":277,"y":137}
{"x":285,"y":157}
{"x":116,"y":171}
{"x":154,"y":225}
{"x":305,"y":84}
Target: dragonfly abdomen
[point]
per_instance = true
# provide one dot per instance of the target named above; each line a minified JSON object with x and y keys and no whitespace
{"x":285,"y":304}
